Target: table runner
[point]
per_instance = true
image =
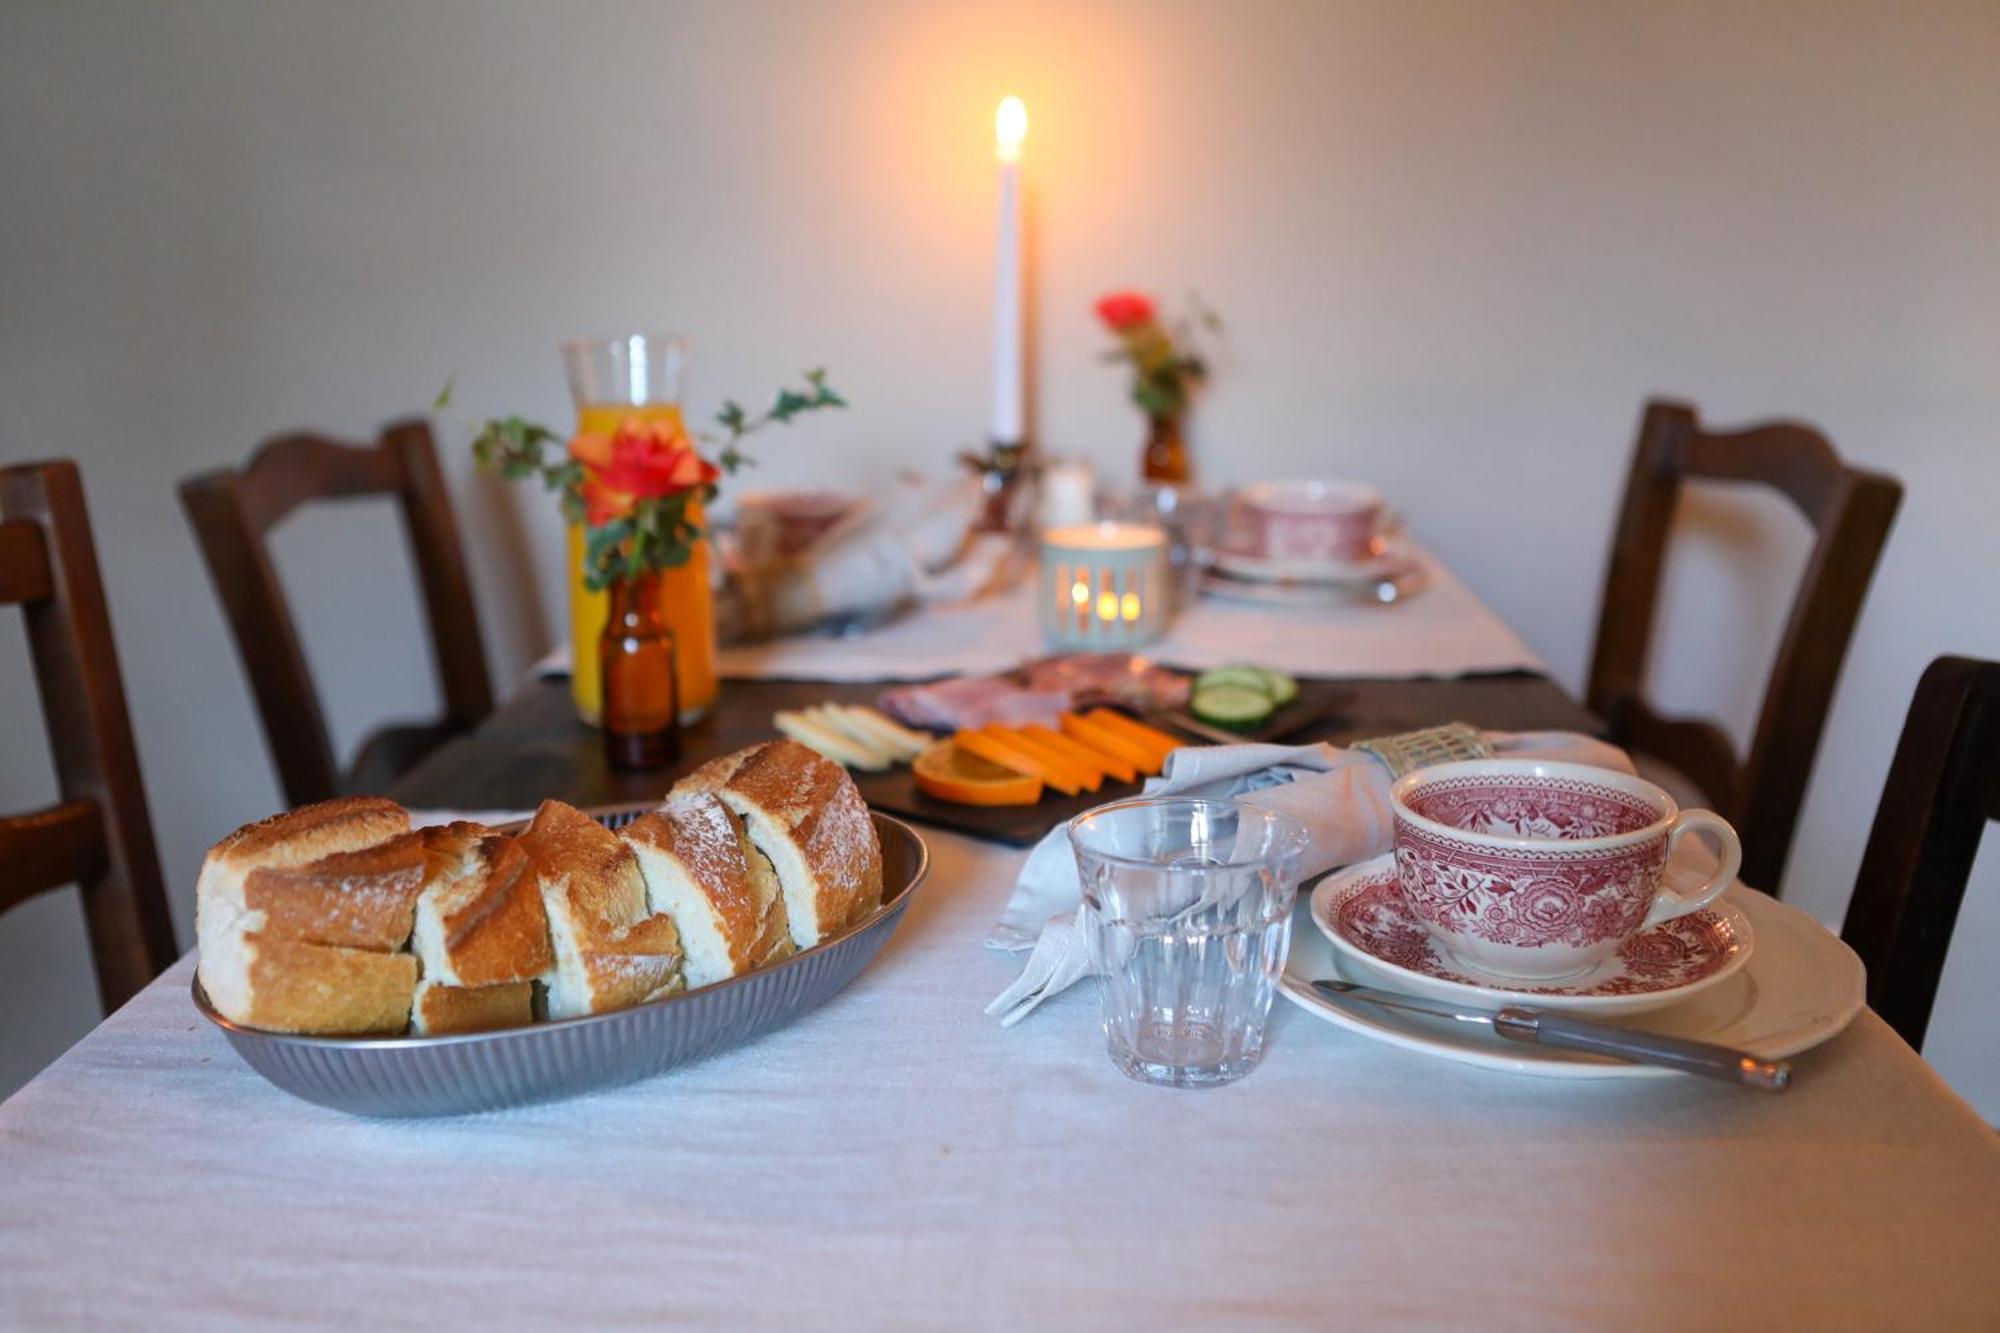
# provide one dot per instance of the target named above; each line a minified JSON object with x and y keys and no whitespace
{"x":895,"y":1160}
{"x":1444,"y":630}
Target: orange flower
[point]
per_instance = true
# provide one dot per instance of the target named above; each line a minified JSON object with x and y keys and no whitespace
{"x":640,"y":460}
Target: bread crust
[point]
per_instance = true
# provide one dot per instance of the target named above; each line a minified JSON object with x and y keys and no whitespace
{"x":314,"y":988}
{"x":439,"y":1008}
{"x":813,"y":804}
{"x":699,"y":833}
{"x":359,"y":899}
{"x":595,"y":898}
{"x":295,"y":837}
{"x":491,"y":924}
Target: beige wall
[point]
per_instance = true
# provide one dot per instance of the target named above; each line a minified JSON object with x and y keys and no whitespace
{"x":1457,"y":245}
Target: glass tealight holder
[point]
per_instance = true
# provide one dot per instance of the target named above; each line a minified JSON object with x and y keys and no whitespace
{"x":1105,"y":586}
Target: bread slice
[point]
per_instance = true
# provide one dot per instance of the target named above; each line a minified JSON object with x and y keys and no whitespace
{"x":289,"y":986}
{"x":298,"y":918}
{"x":610,"y":952}
{"x":363,"y":899}
{"x":440,"y":1008}
{"x":480,"y":919}
{"x":805,"y":814}
{"x":293,"y":839}
{"x":701,"y":870}
{"x":774,"y":937}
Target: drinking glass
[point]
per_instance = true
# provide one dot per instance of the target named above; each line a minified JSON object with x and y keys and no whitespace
{"x":1188,"y":909}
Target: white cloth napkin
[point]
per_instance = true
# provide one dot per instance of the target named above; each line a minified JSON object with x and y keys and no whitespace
{"x":1341,"y":796}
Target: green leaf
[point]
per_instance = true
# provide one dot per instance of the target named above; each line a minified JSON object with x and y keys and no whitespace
{"x":443,"y":399}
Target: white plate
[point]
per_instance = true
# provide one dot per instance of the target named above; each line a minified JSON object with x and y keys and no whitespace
{"x":1716,"y":942}
{"x":1800,"y":988}
{"x":1389,"y":563}
{"x":1397,"y":583}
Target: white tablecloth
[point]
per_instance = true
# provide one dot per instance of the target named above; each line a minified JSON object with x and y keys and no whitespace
{"x":1444,"y":630}
{"x":895,"y":1160}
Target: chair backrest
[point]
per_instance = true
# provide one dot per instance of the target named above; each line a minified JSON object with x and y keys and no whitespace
{"x":1942,"y":791}
{"x":1849,"y":509}
{"x":98,"y":835}
{"x":233,"y":511}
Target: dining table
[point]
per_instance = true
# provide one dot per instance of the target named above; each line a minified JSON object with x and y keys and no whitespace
{"x":897,"y":1159}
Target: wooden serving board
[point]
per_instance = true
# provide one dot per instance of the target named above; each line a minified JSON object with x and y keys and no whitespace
{"x":1315,"y":710}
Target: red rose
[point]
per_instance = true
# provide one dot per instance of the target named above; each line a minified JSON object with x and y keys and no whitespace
{"x":1125,"y":310}
{"x":641,"y":460}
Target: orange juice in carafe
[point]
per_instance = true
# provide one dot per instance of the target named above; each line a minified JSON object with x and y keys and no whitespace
{"x":686,"y":601}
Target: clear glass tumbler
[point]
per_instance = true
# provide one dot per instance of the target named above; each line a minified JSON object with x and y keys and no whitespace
{"x":1188,"y":908}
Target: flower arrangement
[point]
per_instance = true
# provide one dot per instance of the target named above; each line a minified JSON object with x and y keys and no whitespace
{"x":1166,"y":364}
{"x":632,"y":488}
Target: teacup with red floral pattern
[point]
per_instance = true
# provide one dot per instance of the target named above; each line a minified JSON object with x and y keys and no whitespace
{"x":1541,"y":870}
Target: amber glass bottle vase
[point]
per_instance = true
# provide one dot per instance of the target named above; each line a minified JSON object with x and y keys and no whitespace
{"x":641,"y":715}
{"x":1166,"y":455}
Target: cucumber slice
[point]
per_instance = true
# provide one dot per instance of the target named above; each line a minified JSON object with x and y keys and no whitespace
{"x":1283,"y":689}
{"x":1236,"y":677}
{"x":1237,"y":707}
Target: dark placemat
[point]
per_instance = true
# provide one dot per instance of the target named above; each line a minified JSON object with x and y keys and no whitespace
{"x":533,"y":746}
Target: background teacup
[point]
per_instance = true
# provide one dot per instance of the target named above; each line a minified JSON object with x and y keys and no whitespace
{"x":1335,"y":522}
{"x":1541,"y":870}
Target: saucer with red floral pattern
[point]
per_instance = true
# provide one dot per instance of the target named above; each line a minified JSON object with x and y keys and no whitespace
{"x":1361,"y":910}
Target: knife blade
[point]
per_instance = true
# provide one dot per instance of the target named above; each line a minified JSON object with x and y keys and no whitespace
{"x":1542,"y":1027}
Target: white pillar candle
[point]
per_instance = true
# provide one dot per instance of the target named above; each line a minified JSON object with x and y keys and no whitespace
{"x":1010,"y":125}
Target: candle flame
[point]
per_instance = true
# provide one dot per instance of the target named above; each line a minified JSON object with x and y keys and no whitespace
{"x":1079,"y":592}
{"x":1107,"y":606}
{"x":1128,"y":606}
{"x":1010,"y":126}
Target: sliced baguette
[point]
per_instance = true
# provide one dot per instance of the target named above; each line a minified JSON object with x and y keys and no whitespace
{"x":804,"y":813}
{"x":701,"y":870}
{"x":609,"y":951}
{"x":480,"y":920}
{"x":438,"y":1008}
{"x":298,"y":918}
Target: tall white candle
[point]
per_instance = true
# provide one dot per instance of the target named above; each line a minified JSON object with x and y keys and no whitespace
{"x":1010,"y":126}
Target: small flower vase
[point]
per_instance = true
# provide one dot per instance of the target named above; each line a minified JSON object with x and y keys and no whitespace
{"x":641,"y":711}
{"x":1166,"y":456}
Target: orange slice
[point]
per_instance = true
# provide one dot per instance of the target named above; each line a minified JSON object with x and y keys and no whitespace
{"x":1108,"y":765}
{"x":999,"y":746}
{"x":952,"y":774}
{"x":1159,"y":742}
{"x":1090,"y":772}
{"x":1100,"y":737}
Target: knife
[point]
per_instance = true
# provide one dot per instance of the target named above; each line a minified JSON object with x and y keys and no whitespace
{"x":1541,"y":1027}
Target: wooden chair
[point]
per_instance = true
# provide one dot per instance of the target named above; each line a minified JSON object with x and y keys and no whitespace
{"x":233,"y":511}
{"x":1943,"y":789}
{"x":1851,"y":511}
{"x":98,"y":835}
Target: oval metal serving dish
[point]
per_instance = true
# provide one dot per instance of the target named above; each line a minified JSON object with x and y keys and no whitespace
{"x":485,"y":1071}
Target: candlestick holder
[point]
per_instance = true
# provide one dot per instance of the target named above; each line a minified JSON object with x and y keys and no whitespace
{"x":1004,"y":470}
{"x":1105,"y":586}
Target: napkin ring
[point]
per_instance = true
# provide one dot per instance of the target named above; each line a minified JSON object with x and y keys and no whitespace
{"x":1410,"y":750}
